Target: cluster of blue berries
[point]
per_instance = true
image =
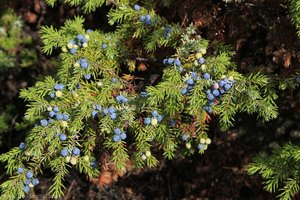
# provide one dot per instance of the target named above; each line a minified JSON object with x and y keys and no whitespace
{"x":30,"y":181}
{"x":79,"y":42}
{"x":190,"y":83}
{"x":144,"y":94}
{"x":168,"y":30}
{"x":58,"y":87}
{"x":119,"y":135}
{"x":172,"y":61}
{"x":57,"y":90}
{"x":70,"y":157}
{"x":83,"y":63}
{"x":154,"y":119}
{"x":146,"y":19}
{"x":121,"y":99}
{"x":216,"y":91}
{"x":55,"y":114}
{"x":65,"y":152}
{"x":111,"y":111}
{"x":96,"y":110}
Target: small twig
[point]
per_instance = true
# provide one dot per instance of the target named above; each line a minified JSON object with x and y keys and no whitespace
{"x":69,"y":190}
{"x":102,"y":68}
{"x":142,"y":59}
{"x":43,"y":7}
{"x":138,"y":78}
{"x":184,"y":19}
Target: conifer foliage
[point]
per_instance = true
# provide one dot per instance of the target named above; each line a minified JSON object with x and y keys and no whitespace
{"x":295,"y":12}
{"x":280,"y":170}
{"x":12,"y":39}
{"x":96,"y":101}
{"x":16,"y":53}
